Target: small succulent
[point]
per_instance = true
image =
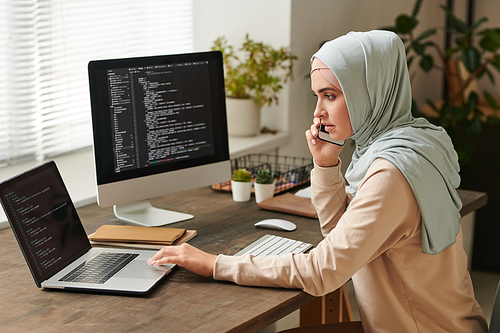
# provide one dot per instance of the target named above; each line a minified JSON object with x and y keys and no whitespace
{"x":242,"y":175}
{"x":264,"y":176}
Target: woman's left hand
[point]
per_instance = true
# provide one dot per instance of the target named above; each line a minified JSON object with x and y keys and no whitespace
{"x":186,"y":256}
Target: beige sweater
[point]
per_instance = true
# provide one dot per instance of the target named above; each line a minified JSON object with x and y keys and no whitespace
{"x":378,"y":243}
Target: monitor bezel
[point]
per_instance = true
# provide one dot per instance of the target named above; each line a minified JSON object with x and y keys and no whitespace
{"x":101,"y":120}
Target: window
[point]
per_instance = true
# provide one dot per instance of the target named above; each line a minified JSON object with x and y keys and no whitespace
{"x":45,"y":46}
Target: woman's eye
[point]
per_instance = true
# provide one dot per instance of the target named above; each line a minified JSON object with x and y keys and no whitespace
{"x":329,"y":97}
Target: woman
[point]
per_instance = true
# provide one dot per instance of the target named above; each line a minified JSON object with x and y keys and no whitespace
{"x":396,"y":232}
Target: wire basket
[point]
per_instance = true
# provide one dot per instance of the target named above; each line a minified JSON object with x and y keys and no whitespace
{"x":288,"y":171}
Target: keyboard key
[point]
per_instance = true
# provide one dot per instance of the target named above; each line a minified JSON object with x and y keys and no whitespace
{"x":274,"y":245}
{"x":100,"y":268}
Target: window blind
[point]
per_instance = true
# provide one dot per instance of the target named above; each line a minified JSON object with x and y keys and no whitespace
{"x":45,"y":47}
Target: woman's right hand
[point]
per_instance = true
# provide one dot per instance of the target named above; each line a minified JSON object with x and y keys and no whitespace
{"x":325,"y":154}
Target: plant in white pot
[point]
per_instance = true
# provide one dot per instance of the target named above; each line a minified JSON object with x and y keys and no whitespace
{"x":264,"y":185}
{"x":241,"y":185}
{"x":253,"y":78}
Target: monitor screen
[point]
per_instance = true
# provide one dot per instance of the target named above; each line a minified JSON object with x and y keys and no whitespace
{"x":159,"y":126}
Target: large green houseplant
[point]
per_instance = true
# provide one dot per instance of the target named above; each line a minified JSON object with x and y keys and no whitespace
{"x":255,"y":72}
{"x":474,"y":54}
{"x":469,"y":114}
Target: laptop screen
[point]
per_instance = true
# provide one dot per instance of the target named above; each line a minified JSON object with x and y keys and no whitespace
{"x":44,"y":220}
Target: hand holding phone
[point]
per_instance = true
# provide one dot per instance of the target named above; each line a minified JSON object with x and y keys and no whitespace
{"x":325,"y":136}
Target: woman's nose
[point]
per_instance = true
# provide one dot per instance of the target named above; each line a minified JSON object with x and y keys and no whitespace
{"x":318,"y":111}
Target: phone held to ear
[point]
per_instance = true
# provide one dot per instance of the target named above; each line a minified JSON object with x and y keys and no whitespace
{"x":325,"y":136}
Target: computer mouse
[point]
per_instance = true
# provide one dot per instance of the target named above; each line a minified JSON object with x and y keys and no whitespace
{"x":277,"y":224}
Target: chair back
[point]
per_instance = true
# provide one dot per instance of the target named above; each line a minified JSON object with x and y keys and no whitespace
{"x":495,"y":313}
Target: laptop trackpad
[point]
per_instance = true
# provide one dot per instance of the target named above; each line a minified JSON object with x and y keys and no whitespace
{"x":139,"y":269}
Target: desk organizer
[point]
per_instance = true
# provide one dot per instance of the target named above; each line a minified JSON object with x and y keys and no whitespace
{"x":288,"y":171}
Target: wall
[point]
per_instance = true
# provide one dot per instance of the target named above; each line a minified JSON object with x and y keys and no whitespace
{"x":301,"y":25}
{"x":264,"y":21}
{"x":321,"y":20}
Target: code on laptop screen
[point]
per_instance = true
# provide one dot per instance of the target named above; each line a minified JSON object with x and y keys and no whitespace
{"x":43,"y":219}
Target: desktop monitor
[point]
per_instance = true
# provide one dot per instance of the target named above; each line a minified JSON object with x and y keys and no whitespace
{"x":159,"y":126}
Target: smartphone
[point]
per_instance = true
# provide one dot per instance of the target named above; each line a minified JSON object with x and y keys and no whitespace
{"x":325,"y":136}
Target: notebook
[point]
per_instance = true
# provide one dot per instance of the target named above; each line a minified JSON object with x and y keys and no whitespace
{"x":56,"y":247}
{"x":139,"y":236}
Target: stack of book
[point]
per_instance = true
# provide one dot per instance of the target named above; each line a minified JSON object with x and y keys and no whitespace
{"x":139,"y":237}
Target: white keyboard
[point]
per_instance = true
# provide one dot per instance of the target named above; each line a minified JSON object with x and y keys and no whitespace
{"x":269,"y":245}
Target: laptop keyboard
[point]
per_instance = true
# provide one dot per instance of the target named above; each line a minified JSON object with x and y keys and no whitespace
{"x":269,"y":245}
{"x":100,"y":268}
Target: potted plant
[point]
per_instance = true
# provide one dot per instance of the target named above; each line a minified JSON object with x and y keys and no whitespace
{"x":464,"y":110}
{"x":241,"y":185}
{"x":264,"y":185}
{"x":470,"y":115}
{"x":253,"y":78}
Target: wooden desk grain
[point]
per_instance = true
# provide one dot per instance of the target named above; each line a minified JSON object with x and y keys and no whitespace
{"x":183,"y":302}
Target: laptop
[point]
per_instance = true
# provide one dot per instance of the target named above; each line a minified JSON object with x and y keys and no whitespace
{"x":55,"y":244}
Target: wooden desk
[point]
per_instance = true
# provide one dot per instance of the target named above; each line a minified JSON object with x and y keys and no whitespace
{"x":471,"y":201}
{"x":183,"y":302}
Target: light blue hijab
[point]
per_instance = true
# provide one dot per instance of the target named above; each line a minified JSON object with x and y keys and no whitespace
{"x":372,"y":71}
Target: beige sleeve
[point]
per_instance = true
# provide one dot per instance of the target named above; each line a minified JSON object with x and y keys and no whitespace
{"x":328,"y":196}
{"x":368,"y":228}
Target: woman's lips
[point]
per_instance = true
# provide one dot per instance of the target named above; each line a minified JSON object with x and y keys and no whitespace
{"x":328,"y":128}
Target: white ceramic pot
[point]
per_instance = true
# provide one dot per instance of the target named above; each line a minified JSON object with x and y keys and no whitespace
{"x":241,"y":191}
{"x":263,"y":191}
{"x":243,"y":117}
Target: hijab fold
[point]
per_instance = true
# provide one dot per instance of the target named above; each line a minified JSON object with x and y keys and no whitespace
{"x":372,"y":72}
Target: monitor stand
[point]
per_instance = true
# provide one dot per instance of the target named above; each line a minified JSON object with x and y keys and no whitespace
{"x":141,"y":212}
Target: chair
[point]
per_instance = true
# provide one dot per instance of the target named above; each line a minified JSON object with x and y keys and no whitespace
{"x":329,"y":313}
{"x":495,"y":313}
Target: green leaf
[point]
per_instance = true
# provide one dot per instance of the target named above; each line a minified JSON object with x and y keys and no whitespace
{"x":461,"y":41}
{"x":460,"y":113}
{"x":470,"y":58}
{"x":475,"y":126}
{"x":419,"y":48}
{"x":416,"y":8}
{"x":405,"y":24}
{"x":451,"y":51}
{"x":242,"y":175}
{"x":490,"y":40}
{"x":478,"y":23}
{"x":455,"y":23}
{"x":473,"y":100}
{"x":490,"y":100}
{"x":426,"y":63}
{"x":496,"y":62}
{"x":490,"y":76}
{"x":426,"y":34}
